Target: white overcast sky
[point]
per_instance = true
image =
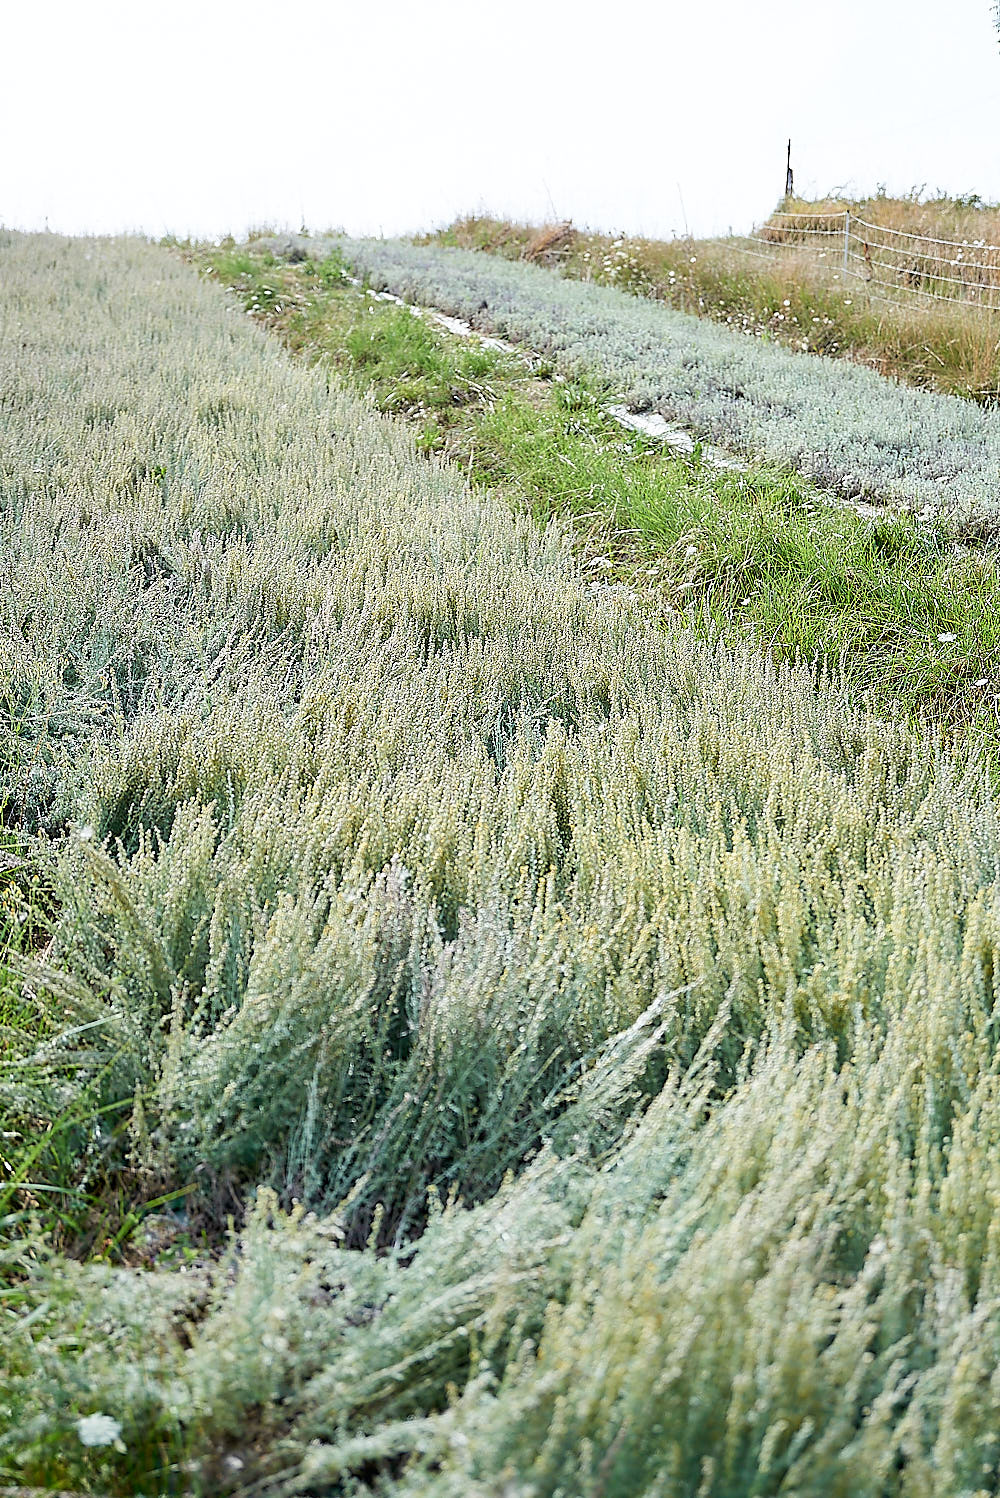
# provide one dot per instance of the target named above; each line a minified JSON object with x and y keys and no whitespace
{"x":182,"y":117}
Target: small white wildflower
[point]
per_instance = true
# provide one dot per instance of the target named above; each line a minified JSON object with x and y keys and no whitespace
{"x":86,"y":834}
{"x":947,"y":639}
{"x":99,"y":1430}
{"x":692,"y":551}
{"x":786,"y":302}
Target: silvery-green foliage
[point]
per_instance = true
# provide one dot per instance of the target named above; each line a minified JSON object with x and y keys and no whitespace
{"x":857,"y":432}
{"x":392,"y":859}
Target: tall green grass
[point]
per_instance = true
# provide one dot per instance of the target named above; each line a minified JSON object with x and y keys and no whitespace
{"x":574,"y":1042}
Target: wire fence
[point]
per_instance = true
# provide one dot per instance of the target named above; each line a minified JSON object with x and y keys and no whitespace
{"x":896,"y":265}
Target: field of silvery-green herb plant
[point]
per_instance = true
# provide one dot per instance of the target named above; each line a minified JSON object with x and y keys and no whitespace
{"x":599,"y":1027}
{"x":862,"y":435}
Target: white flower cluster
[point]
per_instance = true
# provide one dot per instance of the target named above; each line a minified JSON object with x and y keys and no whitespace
{"x":100,"y":1430}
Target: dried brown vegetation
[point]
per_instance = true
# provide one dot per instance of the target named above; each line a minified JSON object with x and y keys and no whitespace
{"x":552,"y":242}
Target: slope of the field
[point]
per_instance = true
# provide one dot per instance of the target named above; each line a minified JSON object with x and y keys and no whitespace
{"x":857,"y":432}
{"x":392,"y":865}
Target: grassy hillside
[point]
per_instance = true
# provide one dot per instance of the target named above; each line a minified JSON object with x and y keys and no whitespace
{"x":893,"y":601}
{"x":457,"y":980}
{"x":795,"y":300}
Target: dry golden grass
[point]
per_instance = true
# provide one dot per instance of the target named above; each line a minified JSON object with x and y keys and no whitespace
{"x":937,"y":218}
{"x":940,"y":250}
